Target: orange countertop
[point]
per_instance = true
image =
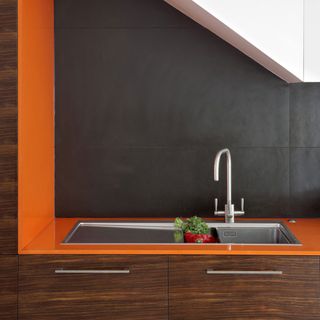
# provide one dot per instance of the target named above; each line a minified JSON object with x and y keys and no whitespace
{"x":48,"y":241}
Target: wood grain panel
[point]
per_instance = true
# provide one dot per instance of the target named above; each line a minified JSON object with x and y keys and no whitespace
{"x":8,"y":212}
{"x":8,"y":131}
{"x":140,"y":295}
{"x":8,"y":126}
{"x":7,"y":153}
{"x":8,"y":15}
{"x":8,"y":54}
{"x":196,"y":295}
{"x":8,"y":287}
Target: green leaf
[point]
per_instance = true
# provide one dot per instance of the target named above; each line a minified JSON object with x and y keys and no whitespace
{"x":195,"y":225}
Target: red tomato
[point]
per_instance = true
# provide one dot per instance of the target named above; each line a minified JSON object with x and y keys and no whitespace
{"x":198,"y":238}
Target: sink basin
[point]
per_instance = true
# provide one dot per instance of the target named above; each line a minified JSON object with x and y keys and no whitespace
{"x":146,"y":232}
{"x":256,"y":233}
{"x":89,"y":232}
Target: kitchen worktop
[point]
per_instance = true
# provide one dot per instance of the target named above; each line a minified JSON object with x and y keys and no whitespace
{"x":48,"y":241}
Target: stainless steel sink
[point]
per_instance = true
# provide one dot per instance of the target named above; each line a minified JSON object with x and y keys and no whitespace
{"x":95,"y":232}
{"x":271,"y":233}
{"x":146,"y":232}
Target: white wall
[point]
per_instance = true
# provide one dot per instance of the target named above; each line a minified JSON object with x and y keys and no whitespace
{"x":312,"y":41}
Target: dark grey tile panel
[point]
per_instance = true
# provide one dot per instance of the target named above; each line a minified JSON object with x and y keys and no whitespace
{"x":305,"y":182}
{"x":149,"y":182}
{"x":164,"y":88}
{"x":305,"y":115}
{"x":132,"y":182}
{"x":118,"y":14}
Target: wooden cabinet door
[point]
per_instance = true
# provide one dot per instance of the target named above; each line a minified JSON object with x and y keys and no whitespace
{"x":83,"y":288}
{"x":8,"y":287}
{"x":198,"y":291}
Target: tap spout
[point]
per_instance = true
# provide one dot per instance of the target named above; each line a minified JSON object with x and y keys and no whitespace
{"x":229,"y":177}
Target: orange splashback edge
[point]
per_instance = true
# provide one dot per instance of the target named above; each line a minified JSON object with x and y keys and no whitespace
{"x":35,"y":118}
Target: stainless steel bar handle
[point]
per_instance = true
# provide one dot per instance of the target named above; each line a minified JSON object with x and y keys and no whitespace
{"x":249,"y":272}
{"x":63,"y":271}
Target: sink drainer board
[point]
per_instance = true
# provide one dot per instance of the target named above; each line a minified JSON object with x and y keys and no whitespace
{"x":144,"y":232}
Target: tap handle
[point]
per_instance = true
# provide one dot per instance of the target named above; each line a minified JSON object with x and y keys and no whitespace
{"x":242,"y":204}
{"x":215,"y":204}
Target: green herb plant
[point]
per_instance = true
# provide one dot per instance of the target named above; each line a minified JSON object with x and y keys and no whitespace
{"x":195,"y":225}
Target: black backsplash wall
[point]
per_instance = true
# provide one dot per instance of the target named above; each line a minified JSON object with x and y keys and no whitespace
{"x":145,"y":97}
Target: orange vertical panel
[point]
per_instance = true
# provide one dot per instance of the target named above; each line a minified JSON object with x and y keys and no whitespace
{"x":35,"y":117}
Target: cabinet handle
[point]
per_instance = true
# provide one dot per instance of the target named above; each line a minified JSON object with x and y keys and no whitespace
{"x":267,"y":272}
{"x":63,"y":271}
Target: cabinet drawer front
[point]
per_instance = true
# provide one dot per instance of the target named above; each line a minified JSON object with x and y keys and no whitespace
{"x":243,"y":287}
{"x":93,"y":287}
